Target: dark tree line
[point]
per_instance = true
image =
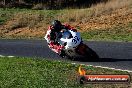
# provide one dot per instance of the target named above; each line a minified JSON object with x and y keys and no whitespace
{"x":49,"y":4}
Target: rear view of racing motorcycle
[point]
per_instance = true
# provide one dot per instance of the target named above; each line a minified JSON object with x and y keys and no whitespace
{"x":74,"y":47}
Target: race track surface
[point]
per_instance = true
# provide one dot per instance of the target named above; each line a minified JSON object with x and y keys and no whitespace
{"x":113,"y":54}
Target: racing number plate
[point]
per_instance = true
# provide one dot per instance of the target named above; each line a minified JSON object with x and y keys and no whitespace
{"x":75,"y":40}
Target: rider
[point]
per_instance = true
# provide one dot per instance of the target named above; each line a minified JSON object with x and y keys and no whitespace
{"x":52,"y":33}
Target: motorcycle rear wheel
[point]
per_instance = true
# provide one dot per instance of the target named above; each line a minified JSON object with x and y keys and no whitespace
{"x":87,"y":52}
{"x":91,"y":53}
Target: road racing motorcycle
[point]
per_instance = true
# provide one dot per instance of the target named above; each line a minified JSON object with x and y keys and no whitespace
{"x":74,"y":47}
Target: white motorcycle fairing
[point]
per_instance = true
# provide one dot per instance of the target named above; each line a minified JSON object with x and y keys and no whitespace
{"x":70,"y":40}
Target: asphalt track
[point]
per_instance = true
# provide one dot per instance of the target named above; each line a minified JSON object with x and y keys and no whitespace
{"x":113,"y":54}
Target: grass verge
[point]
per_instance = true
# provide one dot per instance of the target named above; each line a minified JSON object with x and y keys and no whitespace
{"x":20,"y":72}
{"x":118,"y":33}
{"x":6,"y":14}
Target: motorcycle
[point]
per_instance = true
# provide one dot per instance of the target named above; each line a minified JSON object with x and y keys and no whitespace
{"x":74,"y":47}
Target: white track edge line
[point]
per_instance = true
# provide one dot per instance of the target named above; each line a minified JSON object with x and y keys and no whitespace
{"x":6,"y":56}
{"x":10,"y":56}
{"x":104,"y":67}
{"x":2,"y":56}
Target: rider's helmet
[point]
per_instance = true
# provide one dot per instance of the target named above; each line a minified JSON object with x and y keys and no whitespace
{"x":56,"y":24}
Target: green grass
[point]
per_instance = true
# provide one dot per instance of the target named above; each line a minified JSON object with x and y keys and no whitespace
{"x":118,"y":33}
{"x":46,"y":16}
{"x":20,"y":72}
{"x":9,"y":13}
{"x":6,"y":14}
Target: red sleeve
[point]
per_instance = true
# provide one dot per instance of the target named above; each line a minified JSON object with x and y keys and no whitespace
{"x":69,"y":27}
{"x":50,"y":27}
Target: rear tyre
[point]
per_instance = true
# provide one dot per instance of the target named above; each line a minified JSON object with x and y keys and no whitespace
{"x":91,"y":54}
{"x":87,"y":53}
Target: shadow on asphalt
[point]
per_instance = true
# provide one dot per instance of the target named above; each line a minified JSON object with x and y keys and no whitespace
{"x":103,"y":60}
